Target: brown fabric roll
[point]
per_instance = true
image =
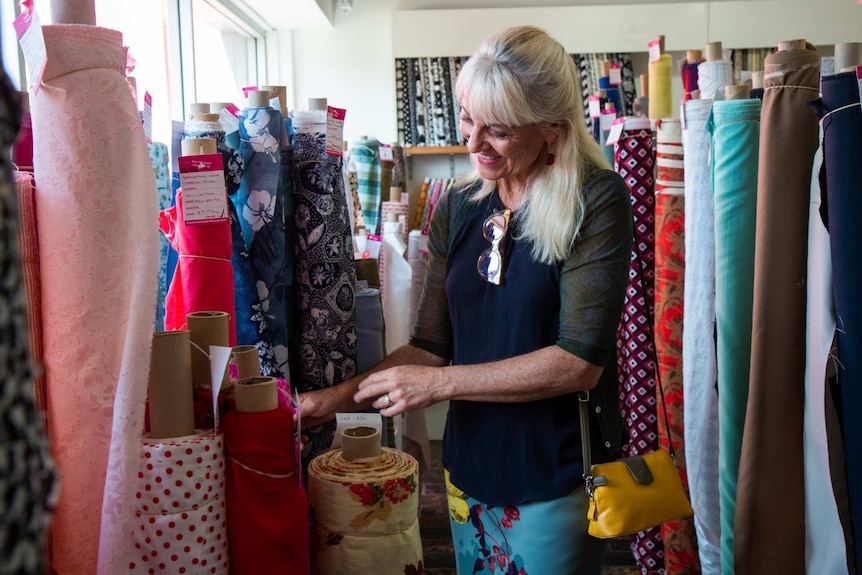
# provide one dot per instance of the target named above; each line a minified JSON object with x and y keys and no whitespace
{"x":28,"y":243}
{"x":769,"y":529}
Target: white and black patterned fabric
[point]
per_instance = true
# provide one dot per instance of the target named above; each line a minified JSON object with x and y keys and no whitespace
{"x":590,"y":69}
{"x":427,"y":110}
{"x":27,"y":475}
{"x":325,"y":271}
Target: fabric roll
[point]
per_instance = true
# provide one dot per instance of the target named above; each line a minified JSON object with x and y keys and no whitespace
{"x":180,"y":523}
{"x":590,"y":69}
{"x":366,"y":157}
{"x":660,"y":74}
{"x":22,"y":149}
{"x":352,"y":182}
{"x":369,"y":329}
{"x":203,"y":280}
{"x":399,"y":210}
{"x":27,"y":474}
{"x":259,"y":203}
{"x":699,"y":376}
{"x":689,"y":78}
{"x":612,"y":93}
{"x":635,"y":162}
{"x":847,"y":54}
{"x":712,"y":77}
{"x":325,"y":270}
{"x":28,"y":242}
{"x":825,"y":550}
{"x":396,"y":295}
{"x":842,"y":142}
{"x":99,"y":264}
{"x":771,"y":465}
{"x":680,"y":541}
{"x":286,"y":190}
{"x":160,"y":160}
{"x":735,"y":128}
{"x":267,"y":506}
{"x":365,"y":514}
{"x":399,"y":174}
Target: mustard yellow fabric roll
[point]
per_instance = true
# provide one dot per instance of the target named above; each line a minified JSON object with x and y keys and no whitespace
{"x":660,"y":72}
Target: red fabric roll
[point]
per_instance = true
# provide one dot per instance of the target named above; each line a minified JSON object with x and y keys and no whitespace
{"x":204,"y":277}
{"x":268,"y":510}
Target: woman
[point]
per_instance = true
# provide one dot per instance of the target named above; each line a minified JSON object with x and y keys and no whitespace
{"x":528,"y":268}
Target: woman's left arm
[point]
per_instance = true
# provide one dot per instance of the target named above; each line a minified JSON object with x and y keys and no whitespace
{"x":592,"y":288}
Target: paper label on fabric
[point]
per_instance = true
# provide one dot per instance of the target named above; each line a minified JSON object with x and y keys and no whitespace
{"x":654,"y":51}
{"x":616,"y":131}
{"x":746,"y":76}
{"x":616,"y":75}
{"x":228,"y":117}
{"x":385,"y":153}
{"x":335,"y":131}
{"x":148,"y":117}
{"x":347,"y":420}
{"x":595,"y":104}
{"x":29,"y":31}
{"x":204,"y":195}
{"x":682,"y":114}
{"x":827,"y":66}
{"x":372,"y":247}
{"x":219,"y":361}
{"x":275,"y":103}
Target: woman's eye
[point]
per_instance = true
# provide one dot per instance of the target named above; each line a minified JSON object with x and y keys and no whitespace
{"x":498,"y":134}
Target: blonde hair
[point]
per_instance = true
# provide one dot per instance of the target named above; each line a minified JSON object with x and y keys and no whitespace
{"x":522,"y":76}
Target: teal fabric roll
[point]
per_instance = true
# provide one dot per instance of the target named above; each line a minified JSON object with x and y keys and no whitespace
{"x":735,"y":128}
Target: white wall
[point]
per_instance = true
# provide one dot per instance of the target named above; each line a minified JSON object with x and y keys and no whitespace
{"x":352,"y":65}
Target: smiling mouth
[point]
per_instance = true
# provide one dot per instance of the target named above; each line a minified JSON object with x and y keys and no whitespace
{"x":485,"y":160}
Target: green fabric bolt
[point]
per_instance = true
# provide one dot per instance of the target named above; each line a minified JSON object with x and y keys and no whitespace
{"x":735,"y":128}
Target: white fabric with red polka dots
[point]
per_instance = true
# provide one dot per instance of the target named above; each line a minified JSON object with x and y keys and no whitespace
{"x":181,"y":524}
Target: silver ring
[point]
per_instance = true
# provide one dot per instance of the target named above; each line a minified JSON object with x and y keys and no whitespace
{"x":385,"y":399}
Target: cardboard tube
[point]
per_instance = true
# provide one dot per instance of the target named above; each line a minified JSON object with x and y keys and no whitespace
{"x":216,"y":107}
{"x":279,"y":92}
{"x":609,"y":107}
{"x":791,"y":45}
{"x":737,"y":92}
{"x":360,"y":443}
{"x":693,"y":56}
{"x":247,"y":360}
{"x":258,"y":99}
{"x":169,"y":388}
{"x":206,"y":328}
{"x":644,"y":85}
{"x":606,"y":69}
{"x":317,"y":104}
{"x":198,"y":146}
{"x":661,"y":44}
{"x":714,"y":52}
{"x":208,"y":117}
{"x":198,"y":108}
{"x":395,"y":193}
{"x":256,"y":394}
{"x":757,"y":79}
{"x":848,"y":54}
{"x":695,"y":94}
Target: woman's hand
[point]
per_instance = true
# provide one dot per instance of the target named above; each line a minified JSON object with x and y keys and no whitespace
{"x":318,"y":407}
{"x":408,"y":387}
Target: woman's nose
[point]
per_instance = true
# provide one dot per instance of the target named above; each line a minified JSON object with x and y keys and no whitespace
{"x":474,"y":142}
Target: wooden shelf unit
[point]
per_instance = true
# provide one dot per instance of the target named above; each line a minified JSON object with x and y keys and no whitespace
{"x":434,"y":150}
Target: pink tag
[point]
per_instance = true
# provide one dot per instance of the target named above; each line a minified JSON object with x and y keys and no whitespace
{"x":202,"y":182}
{"x":228,"y":117}
{"x":148,"y":117}
{"x":28,"y":28}
{"x":654,"y":51}
{"x":595,"y":106}
{"x":335,"y":131}
{"x":616,"y":75}
{"x":616,"y":131}
{"x":248,"y":89}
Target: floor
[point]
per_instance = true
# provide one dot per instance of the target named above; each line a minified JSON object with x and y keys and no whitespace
{"x":437,"y":541}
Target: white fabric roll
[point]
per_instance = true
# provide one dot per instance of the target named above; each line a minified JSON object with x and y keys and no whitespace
{"x":698,"y":339}
{"x":180,"y":516}
{"x":712,"y":77}
{"x":825,"y":551}
{"x":396,"y":297}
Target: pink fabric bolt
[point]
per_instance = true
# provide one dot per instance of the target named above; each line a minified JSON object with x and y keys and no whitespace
{"x":204,"y":277}
{"x":97,"y":228}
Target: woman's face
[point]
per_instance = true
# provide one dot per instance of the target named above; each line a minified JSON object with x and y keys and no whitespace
{"x":501,"y":152}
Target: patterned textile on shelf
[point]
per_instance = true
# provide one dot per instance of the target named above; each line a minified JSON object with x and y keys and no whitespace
{"x":325,"y":270}
{"x":590,"y":69}
{"x":635,"y":162}
{"x":160,"y":159}
{"x":365,"y":514}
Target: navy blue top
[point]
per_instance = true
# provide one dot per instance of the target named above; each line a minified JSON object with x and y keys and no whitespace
{"x":512,"y":453}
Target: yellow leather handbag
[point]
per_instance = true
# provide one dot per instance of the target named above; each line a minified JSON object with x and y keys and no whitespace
{"x":630,"y":494}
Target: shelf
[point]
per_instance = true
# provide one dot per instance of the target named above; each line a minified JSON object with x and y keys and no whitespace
{"x":434,"y":150}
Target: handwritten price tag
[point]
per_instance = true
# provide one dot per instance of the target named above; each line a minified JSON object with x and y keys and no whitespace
{"x":202,"y":182}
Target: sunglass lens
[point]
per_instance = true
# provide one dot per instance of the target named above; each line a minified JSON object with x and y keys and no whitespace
{"x":490,"y":266}
{"x":495,"y":227}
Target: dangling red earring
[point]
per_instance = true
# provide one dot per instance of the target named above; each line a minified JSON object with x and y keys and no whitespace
{"x":550,"y":159}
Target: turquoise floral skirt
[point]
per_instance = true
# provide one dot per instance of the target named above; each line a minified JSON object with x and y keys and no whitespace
{"x":539,"y":538}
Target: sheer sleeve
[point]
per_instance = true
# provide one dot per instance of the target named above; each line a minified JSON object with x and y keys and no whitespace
{"x":595,"y":275}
